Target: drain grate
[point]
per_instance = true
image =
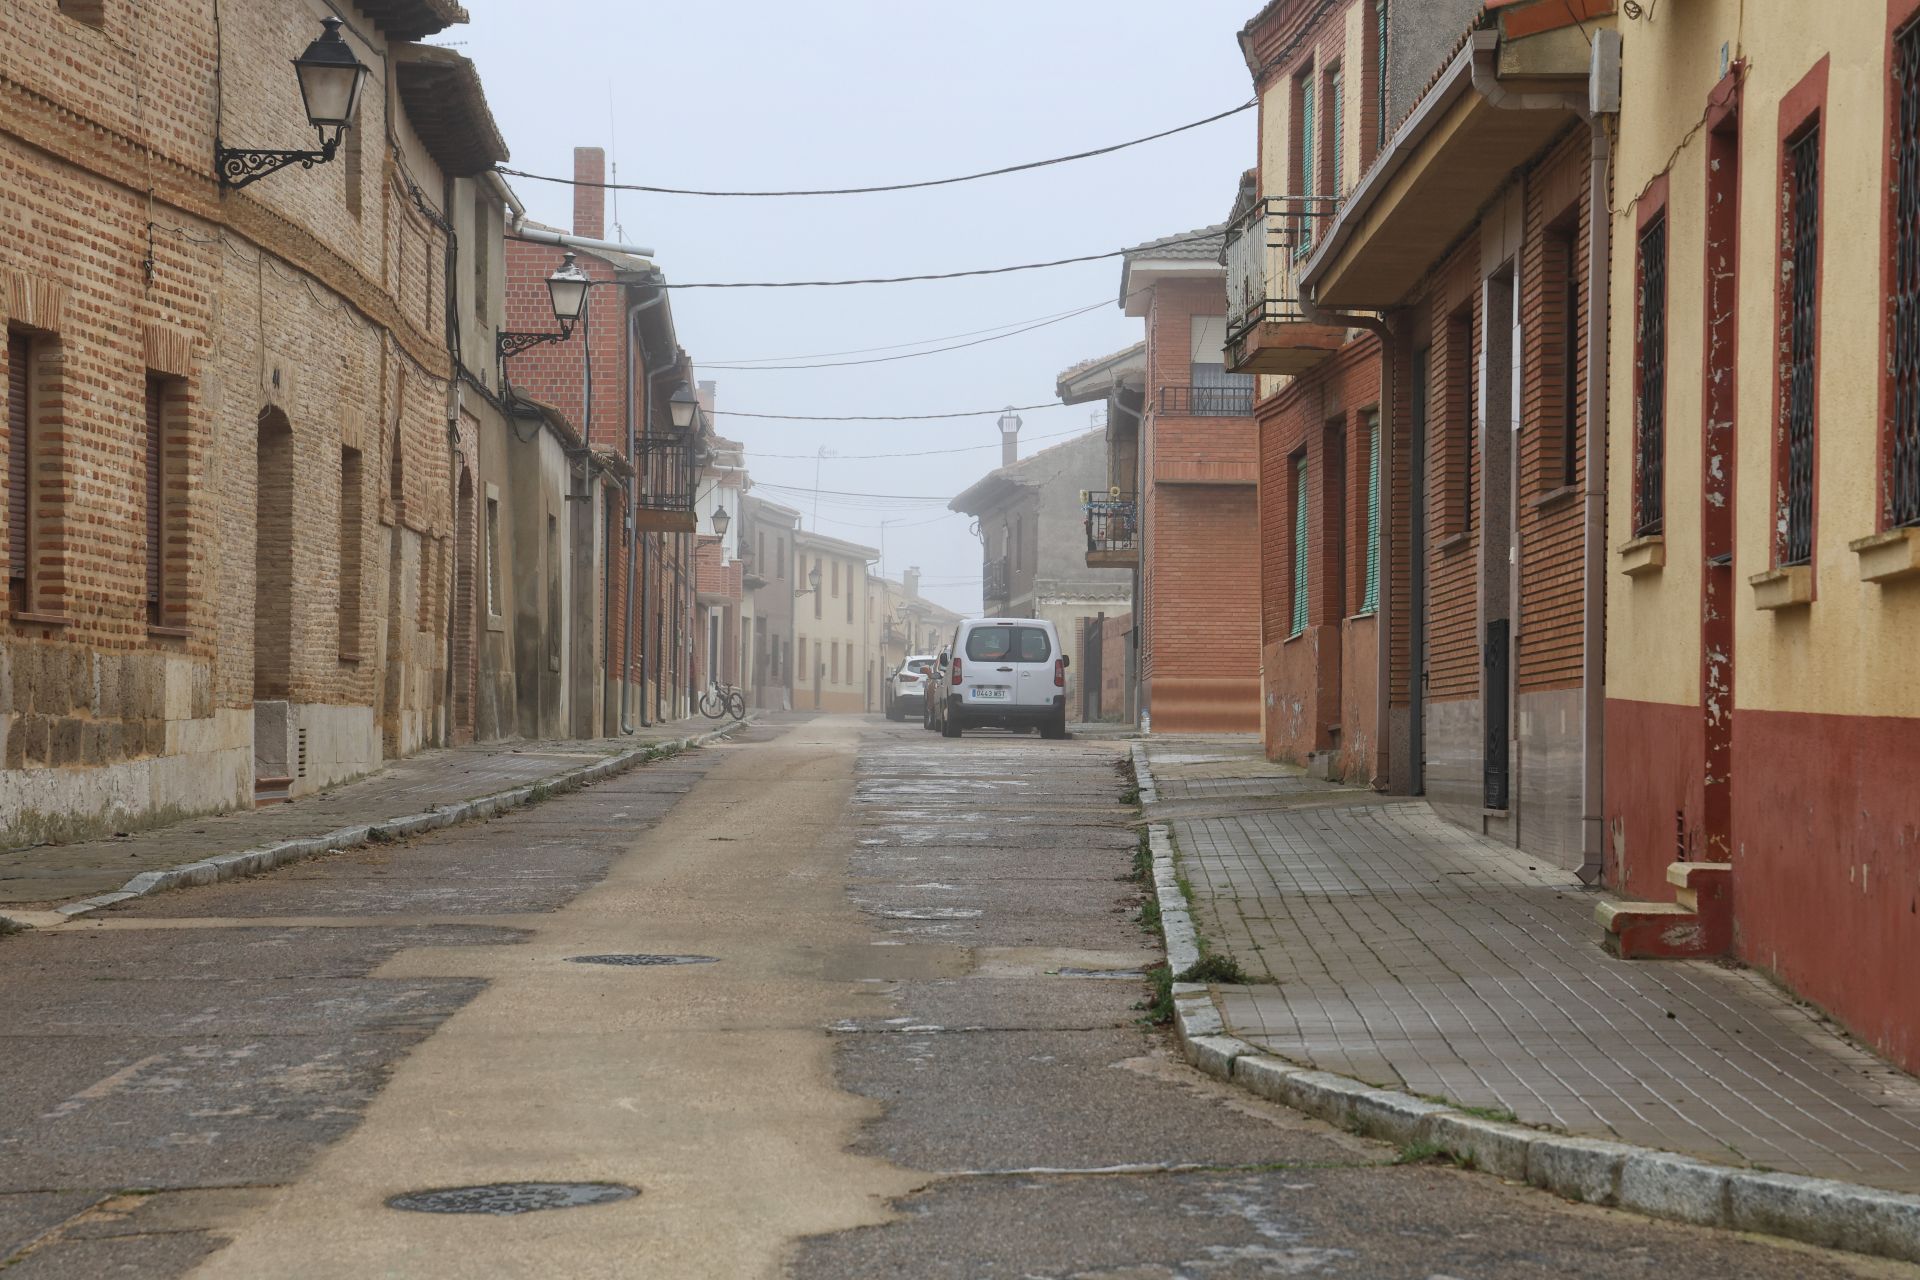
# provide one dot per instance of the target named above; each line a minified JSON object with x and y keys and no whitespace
{"x":1099,"y":973}
{"x":503,"y":1198}
{"x":642,"y":959}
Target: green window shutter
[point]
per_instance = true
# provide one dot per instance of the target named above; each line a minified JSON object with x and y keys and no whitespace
{"x":1300,"y":551}
{"x":1307,"y":174}
{"x":1380,"y":72}
{"x":1370,"y":597}
{"x":1339,"y":107}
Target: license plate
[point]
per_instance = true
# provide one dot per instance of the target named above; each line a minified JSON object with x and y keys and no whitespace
{"x":988,"y":694}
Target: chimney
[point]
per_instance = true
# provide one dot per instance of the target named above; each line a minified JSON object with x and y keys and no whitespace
{"x":1009,"y":447}
{"x":590,"y":202}
{"x":911,"y":581}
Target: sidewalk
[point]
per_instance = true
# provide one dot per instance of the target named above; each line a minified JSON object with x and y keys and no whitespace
{"x":1390,"y":946}
{"x":43,"y":877}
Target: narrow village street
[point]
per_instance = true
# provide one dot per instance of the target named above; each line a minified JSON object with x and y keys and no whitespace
{"x":912,"y":1044}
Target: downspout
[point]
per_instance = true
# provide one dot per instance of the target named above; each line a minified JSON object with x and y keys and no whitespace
{"x":1601,"y":99}
{"x":636,"y":346}
{"x":1131,"y":659}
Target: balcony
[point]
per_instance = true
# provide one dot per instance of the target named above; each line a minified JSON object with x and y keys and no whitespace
{"x":993,"y":584}
{"x":1267,"y":332}
{"x":1207,"y":402}
{"x":666,"y":484}
{"x":1113,"y":540}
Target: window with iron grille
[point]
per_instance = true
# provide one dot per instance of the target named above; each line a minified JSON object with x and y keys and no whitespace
{"x":1370,"y":586}
{"x":1299,"y":621}
{"x":1903,"y":356}
{"x":1803,"y":228}
{"x":1650,"y":373}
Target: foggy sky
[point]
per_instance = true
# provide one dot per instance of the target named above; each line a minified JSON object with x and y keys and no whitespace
{"x":774,"y":93}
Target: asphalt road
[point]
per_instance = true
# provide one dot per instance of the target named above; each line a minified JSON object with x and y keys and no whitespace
{"x":916,"y":1053}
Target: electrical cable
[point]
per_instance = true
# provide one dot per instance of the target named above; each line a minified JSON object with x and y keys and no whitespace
{"x":896,"y":186}
{"x":918,"y":453}
{"x":932,"y":275}
{"x":882,"y":417}
{"x":892,"y":346}
{"x":854,"y":493}
{"x":910,"y":355}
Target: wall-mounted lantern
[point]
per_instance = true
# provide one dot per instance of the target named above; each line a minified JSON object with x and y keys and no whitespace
{"x":567,"y":288}
{"x":682,"y":406}
{"x":721,"y":520}
{"x":813,"y":581}
{"x":330,"y":82}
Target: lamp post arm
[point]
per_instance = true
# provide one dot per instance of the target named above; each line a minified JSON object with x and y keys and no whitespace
{"x":239,"y":166}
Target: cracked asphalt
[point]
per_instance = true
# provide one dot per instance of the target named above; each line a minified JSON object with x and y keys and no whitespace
{"x":919,"y":1055}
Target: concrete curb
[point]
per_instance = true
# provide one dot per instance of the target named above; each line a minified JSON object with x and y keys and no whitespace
{"x":248,"y":862}
{"x":1659,"y":1184}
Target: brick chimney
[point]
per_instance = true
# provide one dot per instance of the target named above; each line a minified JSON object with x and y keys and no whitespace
{"x":1010,"y":444}
{"x":911,"y":581}
{"x":590,"y":203}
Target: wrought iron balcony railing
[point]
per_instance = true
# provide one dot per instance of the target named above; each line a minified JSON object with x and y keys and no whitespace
{"x":993,"y":581}
{"x":1266,"y":248}
{"x":666,"y":473}
{"x":1111,"y":525}
{"x":1208,"y":402}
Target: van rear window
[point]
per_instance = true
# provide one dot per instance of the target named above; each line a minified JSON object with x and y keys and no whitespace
{"x":1008,"y":644}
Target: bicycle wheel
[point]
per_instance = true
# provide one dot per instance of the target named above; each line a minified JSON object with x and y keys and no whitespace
{"x":737,"y":705}
{"x":712,"y":705}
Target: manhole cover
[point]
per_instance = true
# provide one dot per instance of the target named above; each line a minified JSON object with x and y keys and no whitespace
{"x":642,"y":959}
{"x":1099,"y":973}
{"x":502,"y":1198}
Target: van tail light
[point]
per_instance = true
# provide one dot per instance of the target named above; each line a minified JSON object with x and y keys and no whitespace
{"x":1059,"y":673}
{"x":956,"y":671}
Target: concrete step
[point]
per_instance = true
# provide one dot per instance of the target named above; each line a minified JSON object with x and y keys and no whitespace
{"x":1659,"y":931}
{"x":271,"y":790}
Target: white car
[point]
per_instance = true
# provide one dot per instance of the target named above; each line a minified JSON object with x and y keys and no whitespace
{"x":907,"y":687}
{"x":1006,"y":672}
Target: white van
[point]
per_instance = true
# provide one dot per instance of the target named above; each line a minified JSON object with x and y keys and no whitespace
{"x":1007,"y":672}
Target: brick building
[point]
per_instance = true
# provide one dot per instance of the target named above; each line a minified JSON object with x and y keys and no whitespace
{"x":1180,"y":449}
{"x":230,"y":536}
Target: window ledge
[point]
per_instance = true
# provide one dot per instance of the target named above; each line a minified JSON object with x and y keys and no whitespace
{"x":1453,"y":542}
{"x":1888,"y":556}
{"x":27,"y":618}
{"x":496,"y":622}
{"x":1785,"y":587}
{"x":1643,"y":555}
{"x":1294,"y":636}
{"x":352,"y":659}
{"x":1362,"y":615}
{"x":169,"y":633}
{"x":1555,"y":497}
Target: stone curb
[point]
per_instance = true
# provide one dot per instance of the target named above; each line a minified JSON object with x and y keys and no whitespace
{"x":248,"y":862}
{"x":1659,"y":1184}
{"x":1143,"y":776}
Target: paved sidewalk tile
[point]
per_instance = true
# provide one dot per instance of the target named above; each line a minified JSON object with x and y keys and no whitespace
{"x":62,"y":873}
{"x":1410,"y":953}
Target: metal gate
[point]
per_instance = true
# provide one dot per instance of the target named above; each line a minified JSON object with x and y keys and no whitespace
{"x":1495,"y":687}
{"x":1093,"y":632}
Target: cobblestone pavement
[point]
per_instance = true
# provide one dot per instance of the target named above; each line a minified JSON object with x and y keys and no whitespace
{"x":1402,"y":950}
{"x":56,"y":873}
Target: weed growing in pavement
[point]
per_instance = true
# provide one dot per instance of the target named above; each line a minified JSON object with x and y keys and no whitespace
{"x":1143,"y":859}
{"x":1131,"y":797}
{"x":1150,"y":914}
{"x":541,"y":792}
{"x":1158,"y":1011}
{"x":379,"y":835}
{"x":1420,"y":1153}
{"x":1214,"y":967}
{"x":1500,"y":1114}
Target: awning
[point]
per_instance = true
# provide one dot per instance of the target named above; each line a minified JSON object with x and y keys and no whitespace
{"x":1451,"y":156}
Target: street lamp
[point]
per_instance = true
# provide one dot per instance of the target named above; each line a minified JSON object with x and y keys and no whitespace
{"x":720,"y":520}
{"x":813,"y":580}
{"x":330,"y":82}
{"x":567,"y":290}
{"x":682,"y":405}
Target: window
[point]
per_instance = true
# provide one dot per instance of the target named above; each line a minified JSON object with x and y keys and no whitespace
{"x":834,"y":671}
{"x":156,"y":450}
{"x":817,"y":593}
{"x":493,"y":557}
{"x":19,"y":465}
{"x":1462,"y":441}
{"x":1380,"y":70}
{"x":1336,"y":119}
{"x":1008,"y":644}
{"x":91,"y":12}
{"x":553,"y":594}
{"x":351,"y":163}
{"x":1370,"y":575}
{"x":482,"y":237}
{"x":780,"y":557}
{"x":1562,"y":248}
{"x":1903,"y":329}
{"x":1803,"y":246}
{"x":1650,"y":380}
{"x":1299,"y":622}
{"x":1303,"y":95}
{"x":836,"y":579}
{"x":849,"y":594}
{"x":803,"y":657}
{"x":349,"y":543}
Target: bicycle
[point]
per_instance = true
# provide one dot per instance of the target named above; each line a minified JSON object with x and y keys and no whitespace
{"x":722,"y":700}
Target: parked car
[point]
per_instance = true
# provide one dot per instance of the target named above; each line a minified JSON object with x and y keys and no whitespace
{"x":1005,"y":672}
{"x":907,"y":688}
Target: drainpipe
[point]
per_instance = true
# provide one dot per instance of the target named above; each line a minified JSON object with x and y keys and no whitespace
{"x":1601,"y":99}
{"x":522,"y":230}
{"x":636,"y":347}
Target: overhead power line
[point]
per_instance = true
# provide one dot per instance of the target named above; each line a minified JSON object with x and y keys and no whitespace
{"x":894,"y":186}
{"x":917,"y":453}
{"x":881,"y":417}
{"x":896,"y":346}
{"x":932,"y":275}
{"x":910,"y":355}
{"x":850,"y":493}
